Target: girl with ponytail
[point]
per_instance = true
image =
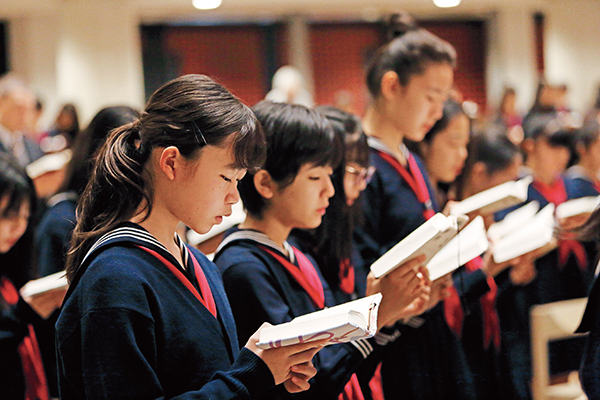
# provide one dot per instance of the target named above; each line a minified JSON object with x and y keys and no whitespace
{"x":146,"y":316}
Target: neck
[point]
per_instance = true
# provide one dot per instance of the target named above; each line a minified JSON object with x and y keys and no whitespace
{"x":588,"y":167}
{"x":162,"y":226}
{"x":270,"y":226}
{"x":376,"y":124}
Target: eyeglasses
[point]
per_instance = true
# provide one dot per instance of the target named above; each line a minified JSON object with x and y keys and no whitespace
{"x":198,"y":135}
{"x":362,"y":174}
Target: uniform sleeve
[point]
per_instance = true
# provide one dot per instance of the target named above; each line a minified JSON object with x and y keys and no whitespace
{"x":255,"y":297}
{"x":367,"y":234}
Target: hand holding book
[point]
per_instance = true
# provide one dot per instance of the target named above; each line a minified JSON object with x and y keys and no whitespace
{"x":290,"y":365}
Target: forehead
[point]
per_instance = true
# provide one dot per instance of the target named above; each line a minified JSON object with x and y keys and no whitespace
{"x":437,"y":77}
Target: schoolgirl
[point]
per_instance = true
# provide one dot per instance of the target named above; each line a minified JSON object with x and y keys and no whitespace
{"x":146,"y":316}
{"x":22,"y":320}
{"x":331,"y":243}
{"x":266,"y":278}
{"x":409,"y":80}
{"x":54,"y":231}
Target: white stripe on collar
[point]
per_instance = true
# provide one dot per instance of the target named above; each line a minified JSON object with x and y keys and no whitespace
{"x":261,"y":238}
{"x":378,"y":144}
{"x":577,"y":172}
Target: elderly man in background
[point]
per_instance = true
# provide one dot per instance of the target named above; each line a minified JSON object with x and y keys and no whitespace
{"x":17,"y":103}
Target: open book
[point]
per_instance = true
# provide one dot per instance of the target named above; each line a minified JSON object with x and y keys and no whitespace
{"x":48,"y":163}
{"x":513,"y":221}
{"x":470,"y":242}
{"x":55,"y":281}
{"x":571,"y":208}
{"x":494,"y":199}
{"x":343,"y":323}
{"x":427,"y":239}
{"x":536,"y":234}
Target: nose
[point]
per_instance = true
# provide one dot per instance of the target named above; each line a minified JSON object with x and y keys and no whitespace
{"x":438,"y":110}
{"x":232,"y":197}
{"x":329,"y":190}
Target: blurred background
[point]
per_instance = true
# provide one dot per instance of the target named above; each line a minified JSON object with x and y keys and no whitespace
{"x":106,"y":52}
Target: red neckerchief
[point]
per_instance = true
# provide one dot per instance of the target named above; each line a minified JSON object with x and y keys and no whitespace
{"x":346,"y":276}
{"x":206,"y":298}
{"x":557,"y":194}
{"x":597,"y":186}
{"x":36,"y":387}
{"x":305,"y":274}
{"x":455,"y":314}
{"x":414,"y":178}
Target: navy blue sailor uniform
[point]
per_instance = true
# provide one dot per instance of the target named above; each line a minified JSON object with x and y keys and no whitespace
{"x":131,"y":327}
{"x":261,"y":288}
{"x":428,"y":362}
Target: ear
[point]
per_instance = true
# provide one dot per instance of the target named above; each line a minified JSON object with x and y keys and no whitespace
{"x":264,"y":184}
{"x":478,"y":172}
{"x":528,"y":146}
{"x":390,"y":84}
{"x":169,"y":162}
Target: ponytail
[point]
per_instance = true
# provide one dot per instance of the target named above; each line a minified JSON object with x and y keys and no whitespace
{"x":175,"y":115}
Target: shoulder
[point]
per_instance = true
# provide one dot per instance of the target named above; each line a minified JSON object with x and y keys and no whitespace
{"x":59,"y":217}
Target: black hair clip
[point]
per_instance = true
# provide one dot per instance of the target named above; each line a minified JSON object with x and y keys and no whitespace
{"x":200,"y":139}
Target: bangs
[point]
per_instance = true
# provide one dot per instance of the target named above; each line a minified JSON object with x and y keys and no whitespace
{"x":13,"y":204}
{"x":561,"y":138}
{"x":249,"y":146}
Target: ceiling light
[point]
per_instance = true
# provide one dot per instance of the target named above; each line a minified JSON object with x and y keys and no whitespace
{"x":446,"y":3}
{"x":206,"y":4}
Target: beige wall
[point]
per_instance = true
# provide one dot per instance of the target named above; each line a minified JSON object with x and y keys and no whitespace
{"x":88,"y":52}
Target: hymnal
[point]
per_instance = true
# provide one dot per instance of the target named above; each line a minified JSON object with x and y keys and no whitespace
{"x":343,"y":323}
{"x":55,"y":281}
{"x":427,"y":239}
{"x":571,"y":208}
{"x":470,"y":242}
{"x":494,"y":199}
{"x":536,"y":234}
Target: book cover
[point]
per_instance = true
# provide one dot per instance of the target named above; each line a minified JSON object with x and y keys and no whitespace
{"x":340,"y":324}
{"x":494,"y":199}
{"x":536,"y":234}
{"x":48,"y":163}
{"x":55,"y":281}
{"x":470,"y":242}
{"x":513,"y":221}
{"x":427,"y":239}
{"x":571,"y":208}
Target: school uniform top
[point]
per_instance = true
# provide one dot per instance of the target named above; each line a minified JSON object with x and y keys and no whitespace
{"x":18,"y":326}
{"x":428,"y":361}
{"x":391,"y":208}
{"x":130,"y":328}
{"x":261,"y":289}
{"x":578,"y":184}
{"x":54,"y":232}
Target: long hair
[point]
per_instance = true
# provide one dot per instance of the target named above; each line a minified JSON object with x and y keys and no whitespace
{"x":18,"y":264}
{"x":187,"y":112}
{"x":331,"y":242}
{"x":409,"y":53}
{"x":87,"y":143}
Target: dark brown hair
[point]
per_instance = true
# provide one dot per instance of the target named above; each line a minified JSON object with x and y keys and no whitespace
{"x":187,"y":112}
{"x":408,"y":54}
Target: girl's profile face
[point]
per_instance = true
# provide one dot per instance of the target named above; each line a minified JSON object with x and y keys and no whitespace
{"x":356,"y":178}
{"x":550,"y":159}
{"x":207,"y":189}
{"x":419,"y":104}
{"x":13,"y":225}
{"x":303,"y":203}
{"x":445,"y":155}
